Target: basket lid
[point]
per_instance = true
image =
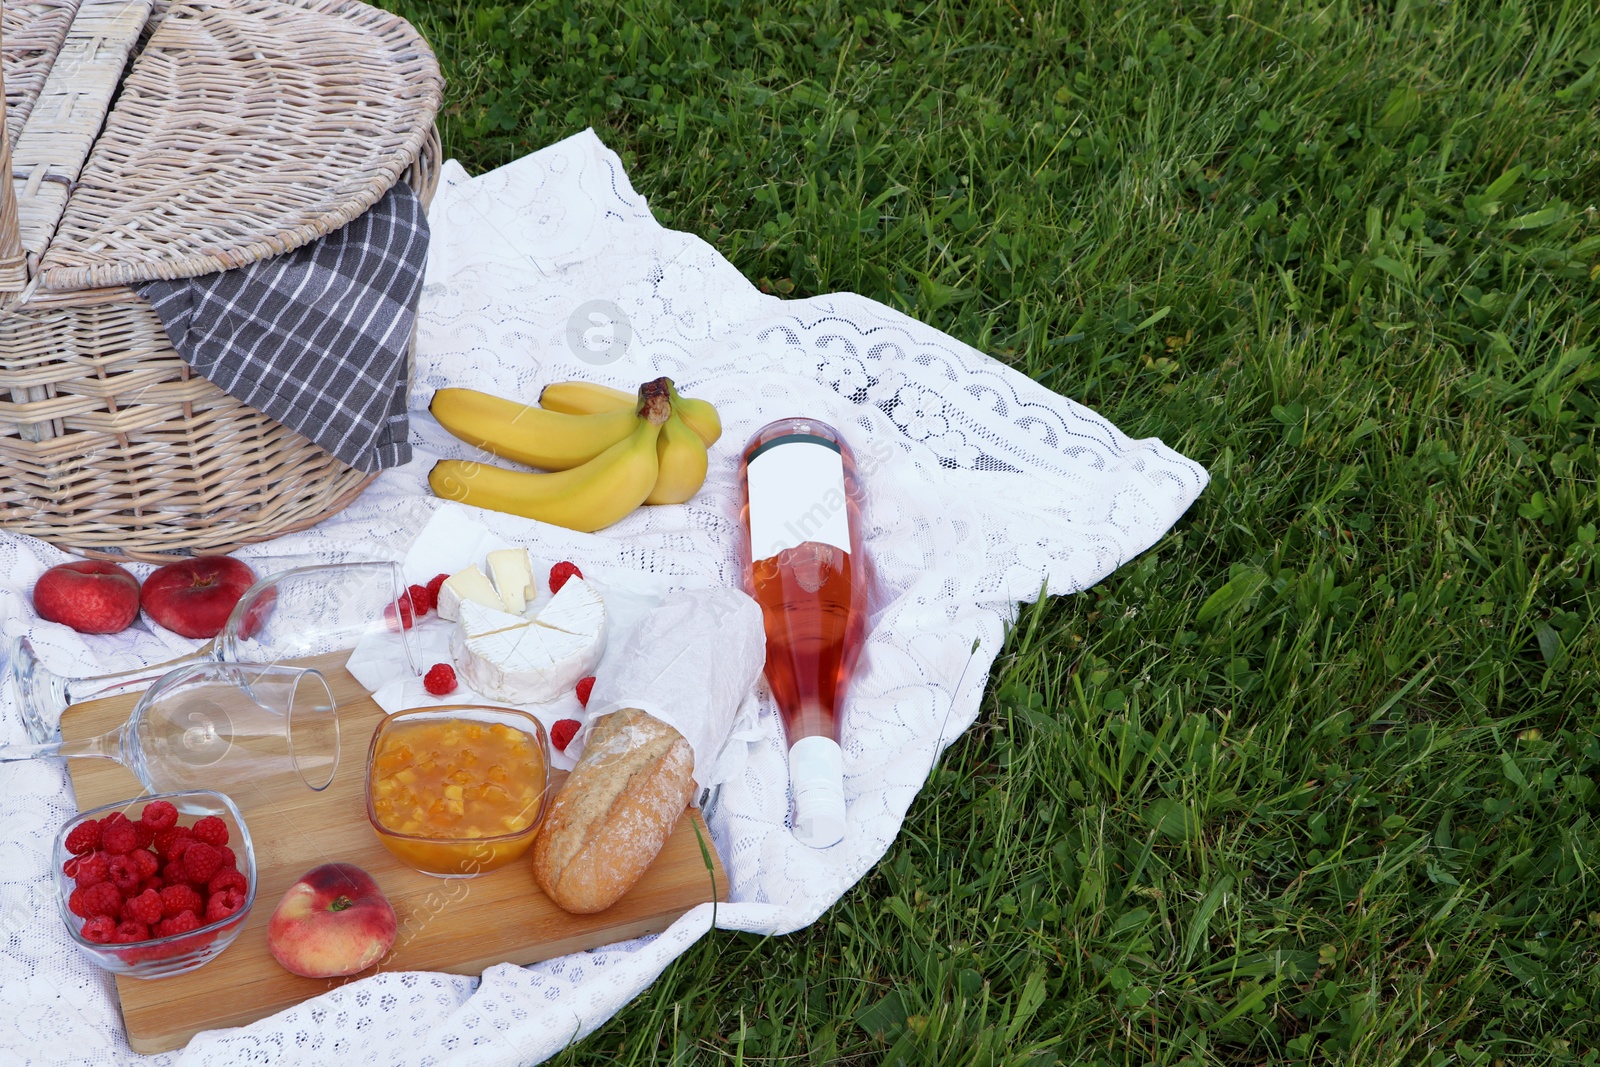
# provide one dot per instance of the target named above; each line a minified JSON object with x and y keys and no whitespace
{"x":30,"y":36}
{"x":245,"y":129}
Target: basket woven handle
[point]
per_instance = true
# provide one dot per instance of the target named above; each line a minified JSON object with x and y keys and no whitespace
{"x":13,"y":264}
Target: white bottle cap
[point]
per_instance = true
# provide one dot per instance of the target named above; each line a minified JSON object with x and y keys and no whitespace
{"x":816,"y":770}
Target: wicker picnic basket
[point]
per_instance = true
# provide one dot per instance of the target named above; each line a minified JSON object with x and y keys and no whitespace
{"x":241,"y":129}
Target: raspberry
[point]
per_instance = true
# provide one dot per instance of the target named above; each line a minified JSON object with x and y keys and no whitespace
{"x":123,"y":873}
{"x":230,"y":862}
{"x":119,"y":838}
{"x":175,"y":873}
{"x":584,"y":687}
{"x":159,"y":815}
{"x":144,"y":908}
{"x":145,"y":834}
{"x":130,"y":932}
{"x":406,"y":616}
{"x":153,"y":882}
{"x":179,"y":844}
{"x":180,"y":923}
{"x":70,"y":868}
{"x":78,"y":903}
{"x":99,"y":929}
{"x":561,"y":572}
{"x":433,"y":588}
{"x":95,"y":867}
{"x":421,"y":599}
{"x":176,"y":898}
{"x":440,"y":679}
{"x":227,"y":880}
{"x":211,"y":830}
{"x":166,"y":839}
{"x":101,"y":898}
{"x":223,"y":904}
{"x":201,"y":861}
{"x":145,"y":861}
{"x":85,"y":837}
{"x":562,"y":733}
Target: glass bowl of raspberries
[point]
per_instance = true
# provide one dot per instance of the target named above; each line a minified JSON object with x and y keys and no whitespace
{"x":156,"y":886}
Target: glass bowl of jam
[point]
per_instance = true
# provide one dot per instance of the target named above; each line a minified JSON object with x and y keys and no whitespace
{"x":457,"y":790}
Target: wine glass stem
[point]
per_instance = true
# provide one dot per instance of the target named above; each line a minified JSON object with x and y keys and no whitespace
{"x":77,"y":690}
{"x":106,"y":746}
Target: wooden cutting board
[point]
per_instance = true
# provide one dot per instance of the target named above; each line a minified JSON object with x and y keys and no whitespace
{"x":457,"y":925}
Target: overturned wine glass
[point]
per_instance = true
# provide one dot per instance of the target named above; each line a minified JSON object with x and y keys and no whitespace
{"x":302,"y":611}
{"x":244,"y":727}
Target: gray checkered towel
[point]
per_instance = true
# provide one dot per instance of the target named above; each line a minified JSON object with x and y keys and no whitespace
{"x":316,"y":338}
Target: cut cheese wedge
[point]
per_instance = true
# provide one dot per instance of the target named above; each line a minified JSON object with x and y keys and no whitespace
{"x":509,"y":658}
{"x":470,"y":584}
{"x":513,"y":578}
{"x":576,"y":608}
{"x":479,"y":621}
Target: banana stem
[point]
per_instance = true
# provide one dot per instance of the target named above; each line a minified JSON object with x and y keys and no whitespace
{"x":655,"y":400}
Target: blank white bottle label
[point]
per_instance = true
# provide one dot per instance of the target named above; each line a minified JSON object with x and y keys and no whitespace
{"x":796,"y":495}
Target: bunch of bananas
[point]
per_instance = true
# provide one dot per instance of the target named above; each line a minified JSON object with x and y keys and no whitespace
{"x":604,"y":451}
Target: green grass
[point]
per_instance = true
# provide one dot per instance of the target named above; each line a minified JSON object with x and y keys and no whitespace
{"x":1314,"y":780}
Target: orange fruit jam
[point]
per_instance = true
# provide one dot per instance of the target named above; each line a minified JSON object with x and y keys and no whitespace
{"x":457,"y":781}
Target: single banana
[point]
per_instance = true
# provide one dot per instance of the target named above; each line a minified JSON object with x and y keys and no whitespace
{"x":527,"y":434}
{"x":701,"y":416}
{"x":589,"y":398}
{"x":681,"y":458}
{"x":587,"y":498}
{"x":583,"y":398}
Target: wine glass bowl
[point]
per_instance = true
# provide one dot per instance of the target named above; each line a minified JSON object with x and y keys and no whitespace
{"x":159,"y":957}
{"x":311,"y":611}
{"x":240,"y":724}
{"x":264,"y":731}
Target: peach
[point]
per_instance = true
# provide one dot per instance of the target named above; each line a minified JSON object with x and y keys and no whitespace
{"x":334,"y":921}
{"x":91,"y":596}
{"x":194,"y":597}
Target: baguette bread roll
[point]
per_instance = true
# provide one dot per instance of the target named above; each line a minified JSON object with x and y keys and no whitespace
{"x":613,"y":814}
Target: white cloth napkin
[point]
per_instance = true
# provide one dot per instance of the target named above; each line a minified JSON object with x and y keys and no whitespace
{"x":982,"y":488}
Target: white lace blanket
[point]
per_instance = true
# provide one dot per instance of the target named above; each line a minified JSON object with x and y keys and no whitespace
{"x":983,"y":488}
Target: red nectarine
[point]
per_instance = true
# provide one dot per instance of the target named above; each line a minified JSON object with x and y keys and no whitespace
{"x":89,"y":595}
{"x":194,"y":597}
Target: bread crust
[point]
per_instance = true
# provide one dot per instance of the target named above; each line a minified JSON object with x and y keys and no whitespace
{"x":613,"y":814}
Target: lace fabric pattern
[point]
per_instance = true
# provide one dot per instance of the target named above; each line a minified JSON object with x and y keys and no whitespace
{"x":983,"y":489}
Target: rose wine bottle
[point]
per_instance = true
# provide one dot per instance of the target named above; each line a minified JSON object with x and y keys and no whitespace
{"x":804,"y":565}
